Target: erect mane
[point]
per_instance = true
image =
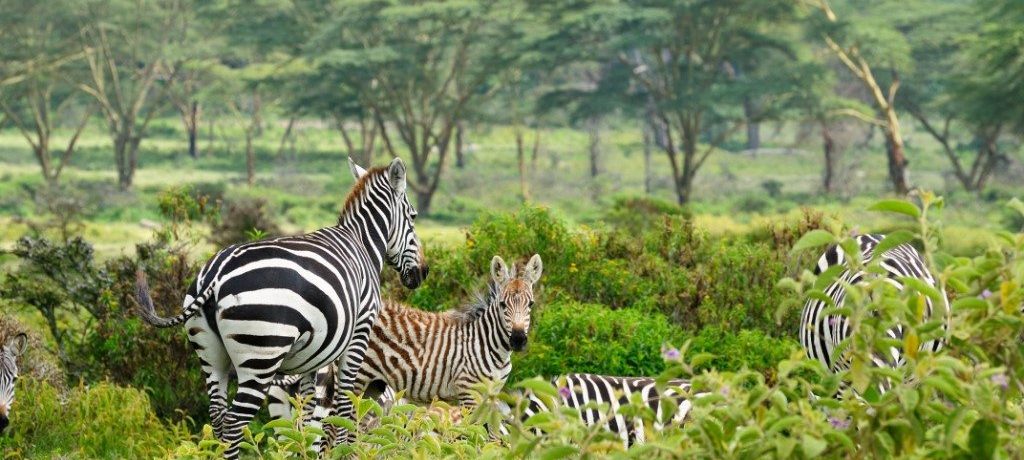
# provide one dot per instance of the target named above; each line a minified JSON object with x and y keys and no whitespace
{"x":358,"y":189}
{"x":475,"y":308}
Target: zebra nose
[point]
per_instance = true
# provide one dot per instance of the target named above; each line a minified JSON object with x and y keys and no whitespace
{"x":518,"y":340}
{"x":3,"y":423}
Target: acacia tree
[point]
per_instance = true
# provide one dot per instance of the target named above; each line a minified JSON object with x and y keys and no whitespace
{"x":126,"y":45}
{"x":419,"y":66}
{"x":684,"y":55}
{"x":963,"y":92}
{"x":41,"y":64}
{"x":857,"y":44}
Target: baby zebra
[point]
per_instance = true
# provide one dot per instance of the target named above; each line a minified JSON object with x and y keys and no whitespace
{"x":820,"y":334}
{"x":579,"y":390}
{"x":12,"y":349}
{"x":442,"y":355}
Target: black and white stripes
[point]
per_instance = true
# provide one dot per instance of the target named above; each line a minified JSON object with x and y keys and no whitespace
{"x":443,"y":355}
{"x":600,"y":398}
{"x":9,"y":353}
{"x":821,"y":333}
{"x":294,"y":305}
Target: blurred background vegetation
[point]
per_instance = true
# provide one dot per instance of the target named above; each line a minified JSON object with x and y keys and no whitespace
{"x":662,"y":157}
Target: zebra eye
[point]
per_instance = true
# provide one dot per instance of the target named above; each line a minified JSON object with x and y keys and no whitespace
{"x":531,"y":304}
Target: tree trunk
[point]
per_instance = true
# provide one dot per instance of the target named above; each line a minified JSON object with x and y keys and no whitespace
{"x":753,"y":127}
{"x":460,"y":161}
{"x":648,"y":137}
{"x":594,"y":146}
{"x":894,"y":152}
{"x":524,"y":192}
{"x":192,"y":125}
{"x":284,"y":137}
{"x":250,"y":158}
{"x":536,"y":149}
{"x":829,"y":146}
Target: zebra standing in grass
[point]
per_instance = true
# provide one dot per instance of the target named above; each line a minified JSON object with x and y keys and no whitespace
{"x":599,"y":398}
{"x":292,"y":305}
{"x":443,"y":355}
{"x":9,"y":353}
{"x":821,"y":334}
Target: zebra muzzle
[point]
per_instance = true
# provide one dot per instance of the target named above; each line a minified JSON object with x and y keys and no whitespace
{"x":518,"y":340}
{"x":415,"y":276}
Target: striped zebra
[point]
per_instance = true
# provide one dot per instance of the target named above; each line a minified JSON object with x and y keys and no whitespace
{"x":821,"y":334}
{"x":9,"y":353}
{"x":442,"y":355}
{"x":292,"y":305}
{"x":599,"y":398}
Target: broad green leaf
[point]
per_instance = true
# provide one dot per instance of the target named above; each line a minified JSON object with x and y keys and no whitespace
{"x":891,"y":241}
{"x":813,"y":239}
{"x":983,"y":439}
{"x":897,"y":206}
{"x":812,"y":446}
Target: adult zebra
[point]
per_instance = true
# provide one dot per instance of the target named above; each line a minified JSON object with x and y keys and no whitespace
{"x":442,"y":355}
{"x":599,"y":399}
{"x":9,"y":353}
{"x":821,"y":334}
{"x":292,"y":305}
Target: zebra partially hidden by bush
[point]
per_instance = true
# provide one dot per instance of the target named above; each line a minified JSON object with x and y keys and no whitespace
{"x":292,"y":305}
{"x":821,"y":333}
{"x":441,"y":355}
{"x":600,"y":400}
{"x":13,"y":347}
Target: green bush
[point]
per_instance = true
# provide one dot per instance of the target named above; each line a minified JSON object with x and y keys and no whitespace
{"x":97,"y":421}
{"x":749,"y":349}
{"x":664,"y":266}
{"x":575,"y":337}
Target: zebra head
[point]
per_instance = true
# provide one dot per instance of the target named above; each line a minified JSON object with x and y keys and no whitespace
{"x":9,"y":354}
{"x":515,"y":296}
{"x":404,"y":251}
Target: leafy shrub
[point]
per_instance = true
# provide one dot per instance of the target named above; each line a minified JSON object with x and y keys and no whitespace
{"x":575,"y":337}
{"x":243,"y":219}
{"x":750,"y":348}
{"x":96,"y":421}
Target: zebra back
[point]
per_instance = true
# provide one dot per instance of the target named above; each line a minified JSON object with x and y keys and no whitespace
{"x":600,"y":398}
{"x":821,"y":333}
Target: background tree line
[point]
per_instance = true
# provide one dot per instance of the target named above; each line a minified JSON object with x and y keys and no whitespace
{"x":406,"y":78}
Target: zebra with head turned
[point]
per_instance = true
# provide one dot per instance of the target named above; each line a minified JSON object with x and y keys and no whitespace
{"x":821,"y":333}
{"x":9,"y":353}
{"x":292,"y":305}
{"x":599,"y":399}
{"x":443,"y":355}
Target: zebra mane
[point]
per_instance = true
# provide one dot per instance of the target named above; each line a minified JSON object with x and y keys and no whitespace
{"x":475,"y":308}
{"x":358,"y":189}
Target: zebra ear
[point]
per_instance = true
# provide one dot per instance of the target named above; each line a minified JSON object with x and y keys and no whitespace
{"x":357,"y":171}
{"x":499,"y":271}
{"x":533,"y":269}
{"x":396,"y":175}
{"x":17,"y":345}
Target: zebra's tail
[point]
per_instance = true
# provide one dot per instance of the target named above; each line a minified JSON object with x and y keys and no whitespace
{"x":148,"y":313}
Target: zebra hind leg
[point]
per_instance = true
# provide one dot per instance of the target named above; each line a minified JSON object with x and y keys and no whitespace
{"x":248,"y":400}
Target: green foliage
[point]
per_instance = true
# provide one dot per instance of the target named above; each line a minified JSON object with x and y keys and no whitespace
{"x":574,"y":337}
{"x":751,"y":349}
{"x":96,"y":421}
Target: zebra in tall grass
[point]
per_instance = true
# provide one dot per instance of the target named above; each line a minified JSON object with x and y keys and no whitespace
{"x":821,"y":333}
{"x":292,"y":305}
{"x":443,"y":355}
{"x":9,"y":353}
{"x":599,"y":400}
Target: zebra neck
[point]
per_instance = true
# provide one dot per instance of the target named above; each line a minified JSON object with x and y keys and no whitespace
{"x":369,"y":221}
{"x":488,"y":331}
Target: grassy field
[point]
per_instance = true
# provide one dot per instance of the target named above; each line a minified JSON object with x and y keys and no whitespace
{"x":306,"y":183}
